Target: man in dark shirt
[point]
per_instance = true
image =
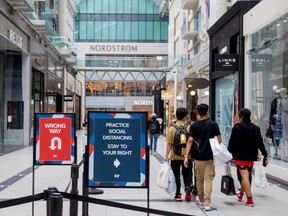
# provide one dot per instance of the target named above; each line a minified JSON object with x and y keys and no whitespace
{"x":201,"y":131}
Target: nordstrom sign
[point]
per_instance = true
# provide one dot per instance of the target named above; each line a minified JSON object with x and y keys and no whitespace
{"x":113,"y":48}
{"x":143,"y":102}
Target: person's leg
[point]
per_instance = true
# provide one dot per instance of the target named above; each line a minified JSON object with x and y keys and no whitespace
{"x":175,"y":165}
{"x":245,"y":184}
{"x":199,"y":171}
{"x":155,"y":142}
{"x":151,"y":141}
{"x":209,"y":174}
{"x":186,"y":173}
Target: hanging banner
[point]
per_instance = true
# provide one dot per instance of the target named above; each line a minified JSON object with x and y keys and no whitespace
{"x":54,"y":139}
{"x":117,"y":149}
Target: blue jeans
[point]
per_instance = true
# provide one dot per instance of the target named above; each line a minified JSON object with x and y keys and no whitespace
{"x":153,"y":140}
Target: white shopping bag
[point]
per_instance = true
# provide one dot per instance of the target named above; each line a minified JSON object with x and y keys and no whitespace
{"x":171,"y":190}
{"x":260,"y":179}
{"x":163,"y":174}
{"x":220,"y":152}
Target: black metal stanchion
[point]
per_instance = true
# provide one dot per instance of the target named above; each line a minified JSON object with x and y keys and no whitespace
{"x":55,"y":204}
{"x":74,"y":189}
{"x":84,"y":182}
{"x":48,"y":193}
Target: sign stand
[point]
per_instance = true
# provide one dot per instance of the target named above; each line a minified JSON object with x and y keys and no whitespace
{"x":55,"y":141}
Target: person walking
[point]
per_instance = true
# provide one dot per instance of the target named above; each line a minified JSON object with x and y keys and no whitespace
{"x":244,"y":143}
{"x":200,"y":132}
{"x":176,"y":158}
{"x":193,"y":187}
{"x":154,"y":132}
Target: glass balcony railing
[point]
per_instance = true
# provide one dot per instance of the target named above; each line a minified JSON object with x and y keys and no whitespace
{"x":22,"y":5}
{"x":41,"y":19}
{"x":188,"y":31}
{"x":159,"y":62}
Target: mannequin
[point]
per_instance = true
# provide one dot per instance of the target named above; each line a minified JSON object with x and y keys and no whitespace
{"x":284,"y":121}
{"x":273,"y":116}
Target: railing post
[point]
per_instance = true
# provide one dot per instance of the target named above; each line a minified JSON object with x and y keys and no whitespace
{"x":84,"y":184}
{"x":74,"y":189}
{"x":56,"y":204}
{"x":48,"y":193}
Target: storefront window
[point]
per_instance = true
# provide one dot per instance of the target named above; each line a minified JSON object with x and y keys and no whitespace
{"x":269,"y":83}
{"x":119,"y":88}
{"x":226,"y":99}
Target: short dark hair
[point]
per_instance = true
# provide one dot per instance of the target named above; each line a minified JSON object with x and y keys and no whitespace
{"x":181,"y":113}
{"x":245,"y":114}
{"x":202,"y":109}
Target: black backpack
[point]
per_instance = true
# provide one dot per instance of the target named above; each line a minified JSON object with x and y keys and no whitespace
{"x":180,"y":139}
{"x":153,"y":127}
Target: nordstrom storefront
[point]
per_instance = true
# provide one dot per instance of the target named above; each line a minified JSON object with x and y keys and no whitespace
{"x":266,"y":73}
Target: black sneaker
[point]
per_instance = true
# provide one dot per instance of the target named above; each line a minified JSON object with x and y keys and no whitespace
{"x":195,"y":191}
{"x":178,"y":197}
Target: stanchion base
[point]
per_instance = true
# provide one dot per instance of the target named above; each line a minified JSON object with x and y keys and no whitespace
{"x":95,"y":191}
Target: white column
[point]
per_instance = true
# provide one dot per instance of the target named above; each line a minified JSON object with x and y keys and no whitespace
{"x":217,"y":9}
{"x":175,"y":89}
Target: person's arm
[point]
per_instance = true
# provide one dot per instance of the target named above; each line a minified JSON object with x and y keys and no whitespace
{"x":168,"y":149}
{"x":219,"y":138}
{"x":188,"y":147}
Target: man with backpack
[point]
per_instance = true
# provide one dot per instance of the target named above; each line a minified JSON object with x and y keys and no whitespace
{"x":176,"y":143}
{"x":154,"y":132}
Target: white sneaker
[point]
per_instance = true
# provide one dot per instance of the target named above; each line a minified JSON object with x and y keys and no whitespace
{"x":207,"y":207}
{"x":199,"y":202}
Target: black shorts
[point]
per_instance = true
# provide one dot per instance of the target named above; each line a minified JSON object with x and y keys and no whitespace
{"x":244,"y":167}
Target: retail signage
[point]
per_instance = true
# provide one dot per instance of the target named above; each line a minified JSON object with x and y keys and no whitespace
{"x":54,"y":139}
{"x":113,"y":48}
{"x":143,"y":102}
{"x":117,"y":149}
{"x":226,"y":62}
{"x":15,"y":38}
{"x":68,"y":97}
{"x":261,"y":62}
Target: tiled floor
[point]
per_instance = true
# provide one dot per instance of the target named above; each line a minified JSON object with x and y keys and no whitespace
{"x":16,"y":180}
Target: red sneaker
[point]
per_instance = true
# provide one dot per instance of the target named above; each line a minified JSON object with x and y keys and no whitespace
{"x":178,"y":197}
{"x":188,"y":195}
{"x":249,"y":202}
{"x":239,"y":195}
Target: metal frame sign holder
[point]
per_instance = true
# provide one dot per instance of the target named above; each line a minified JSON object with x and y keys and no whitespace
{"x":55,"y":141}
{"x":118,"y":154}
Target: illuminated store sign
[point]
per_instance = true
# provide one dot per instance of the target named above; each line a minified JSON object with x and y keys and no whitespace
{"x":15,"y":38}
{"x":227,"y":62}
{"x":143,"y":102}
{"x":113,"y":48}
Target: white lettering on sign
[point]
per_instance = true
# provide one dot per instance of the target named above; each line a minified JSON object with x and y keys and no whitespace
{"x":55,"y":125}
{"x":15,"y":38}
{"x":143,"y":102}
{"x":113,"y":48}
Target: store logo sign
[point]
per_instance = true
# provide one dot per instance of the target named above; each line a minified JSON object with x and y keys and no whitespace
{"x":261,"y":62}
{"x":227,"y":62}
{"x":15,"y":38}
{"x":143,"y":102}
{"x":113,"y":48}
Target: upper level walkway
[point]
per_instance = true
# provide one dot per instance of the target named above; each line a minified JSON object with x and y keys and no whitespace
{"x":16,"y":181}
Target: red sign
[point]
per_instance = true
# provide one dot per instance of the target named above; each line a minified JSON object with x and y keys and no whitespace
{"x":55,"y":139}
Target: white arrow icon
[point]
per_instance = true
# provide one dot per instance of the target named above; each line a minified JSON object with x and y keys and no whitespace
{"x":116,"y":163}
{"x":53,"y":141}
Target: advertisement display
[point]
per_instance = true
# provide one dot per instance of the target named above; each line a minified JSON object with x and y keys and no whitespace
{"x":54,"y":140}
{"x":117,"y":149}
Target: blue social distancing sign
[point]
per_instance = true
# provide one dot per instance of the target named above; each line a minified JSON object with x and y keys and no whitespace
{"x":117,"y":149}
